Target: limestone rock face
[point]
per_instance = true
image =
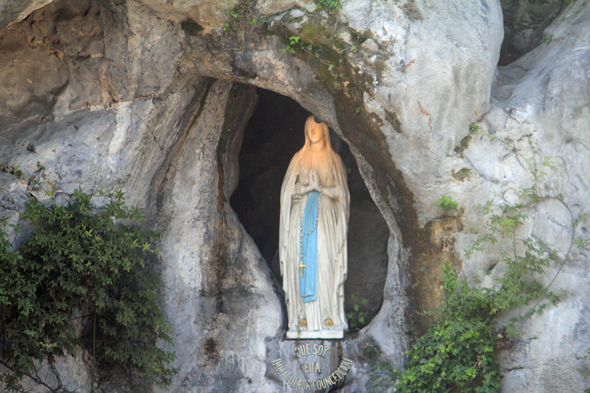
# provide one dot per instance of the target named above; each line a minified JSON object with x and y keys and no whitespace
{"x":541,"y":103}
{"x":432,"y":75}
{"x":209,"y":14}
{"x":15,"y":11}
{"x":270,"y":7}
{"x":152,"y":97}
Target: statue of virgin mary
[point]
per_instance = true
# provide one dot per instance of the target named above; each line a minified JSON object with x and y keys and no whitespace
{"x":312,"y":240}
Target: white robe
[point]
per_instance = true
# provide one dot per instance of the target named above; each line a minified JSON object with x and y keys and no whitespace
{"x":332,"y":258}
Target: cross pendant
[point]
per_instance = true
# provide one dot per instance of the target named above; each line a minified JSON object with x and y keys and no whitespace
{"x":301,"y":266}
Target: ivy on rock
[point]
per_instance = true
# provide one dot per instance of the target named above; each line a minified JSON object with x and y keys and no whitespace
{"x":80,"y":280}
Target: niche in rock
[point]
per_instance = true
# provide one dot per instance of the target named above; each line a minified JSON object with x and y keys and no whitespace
{"x":524,"y":24}
{"x":272,"y":136}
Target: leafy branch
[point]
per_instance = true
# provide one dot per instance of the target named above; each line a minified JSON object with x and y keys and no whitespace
{"x":80,"y":258}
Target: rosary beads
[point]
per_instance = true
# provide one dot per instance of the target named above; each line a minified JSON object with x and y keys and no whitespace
{"x":315,"y":225}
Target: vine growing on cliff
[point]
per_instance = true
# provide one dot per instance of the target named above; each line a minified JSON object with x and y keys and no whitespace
{"x":458,"y":350}
{"x":80,"y":281}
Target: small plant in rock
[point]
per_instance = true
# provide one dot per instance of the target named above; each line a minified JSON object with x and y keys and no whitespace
{"x":356,"y":318}
{"x":17,"y":171}
{"x":473,"y":128}
{"x":228,"y":28}
{"x":330,"y":5}
{"x":381,"y":372}
{"x":296,"y":43}
{"x":546,"y":38}
{"x":369,"y":349}
{"x":448,"y":205}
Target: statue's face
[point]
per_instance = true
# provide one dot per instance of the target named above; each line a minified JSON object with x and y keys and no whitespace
{"x":315,"y":132}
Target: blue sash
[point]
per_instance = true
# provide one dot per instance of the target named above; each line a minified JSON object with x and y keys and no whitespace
{"x":309,"y":250}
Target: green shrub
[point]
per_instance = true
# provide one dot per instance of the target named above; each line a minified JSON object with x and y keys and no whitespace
{"x":79,"y":265}
{"x":458,"y":349}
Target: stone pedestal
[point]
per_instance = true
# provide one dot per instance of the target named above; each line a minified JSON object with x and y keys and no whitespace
{"x":318,"y":334}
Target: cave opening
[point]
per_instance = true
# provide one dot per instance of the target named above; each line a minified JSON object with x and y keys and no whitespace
{"x":524,"y":26}
{"x":273,"y":134}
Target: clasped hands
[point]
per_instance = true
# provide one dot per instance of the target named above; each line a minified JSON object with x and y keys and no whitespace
{"x":313,"y":185}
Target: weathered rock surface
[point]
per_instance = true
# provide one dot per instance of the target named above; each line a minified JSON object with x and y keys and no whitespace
{"x":142,"y":96}
{"x":541,"y":102}
{"x":15,"y":11}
